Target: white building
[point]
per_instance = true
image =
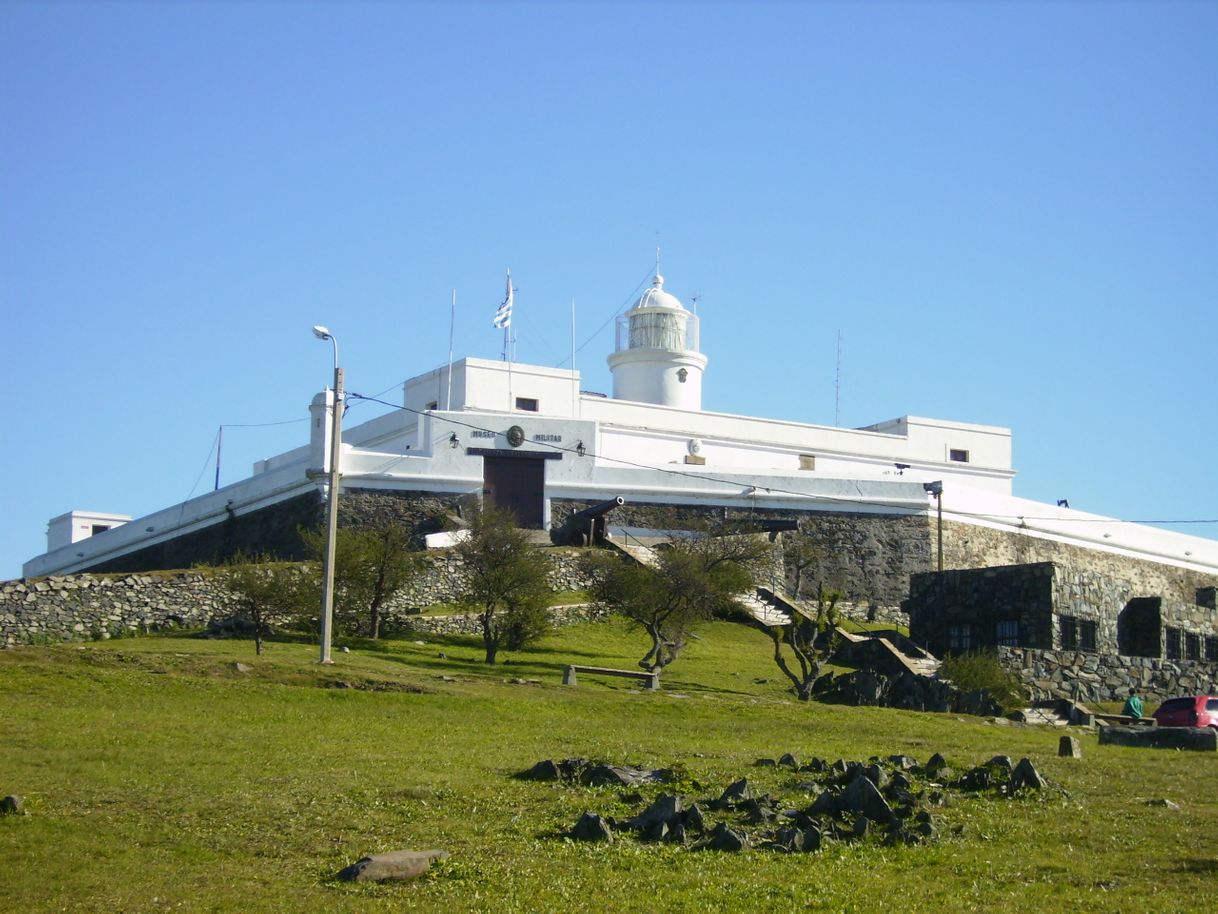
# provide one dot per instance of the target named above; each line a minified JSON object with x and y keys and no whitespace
{"x":526,"y":438}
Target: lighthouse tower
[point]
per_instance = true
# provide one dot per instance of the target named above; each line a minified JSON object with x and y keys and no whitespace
{"x":657,"y":358}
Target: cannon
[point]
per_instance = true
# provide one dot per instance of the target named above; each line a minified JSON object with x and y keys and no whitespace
{"x":587,"y":527}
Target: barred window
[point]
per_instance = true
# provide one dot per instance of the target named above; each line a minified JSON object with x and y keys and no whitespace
{"x":1087,"y":631}
{"x":1006,"y":633}
{"x":959,"y":638}
{"x":1068,"y":627}
{"x":1211,"y":649}
{"x":1171,"y":643}
{"x":1192,"y":646}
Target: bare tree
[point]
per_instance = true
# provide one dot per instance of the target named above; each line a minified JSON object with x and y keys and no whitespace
{"x":694,"y":578}
{"x":810,"y":641}
{"x":507,"y":578}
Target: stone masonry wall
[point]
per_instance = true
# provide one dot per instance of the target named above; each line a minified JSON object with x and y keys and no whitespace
{"x":80,"y":607}
{"x":1107,"y":677}
{"x":869,"y":557}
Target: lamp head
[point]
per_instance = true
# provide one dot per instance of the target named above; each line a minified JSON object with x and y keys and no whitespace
{"x":322,"y":333}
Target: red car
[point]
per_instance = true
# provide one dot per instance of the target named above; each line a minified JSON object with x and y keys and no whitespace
{"x":1194,"y":711}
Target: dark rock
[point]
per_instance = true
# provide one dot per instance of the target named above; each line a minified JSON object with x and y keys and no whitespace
{"x":391,"y":867}
{"x":900,"y":781}
{"x":902,"y":762}
{"x":790,"y":840}
{"x":620,"y":776}
{"x":980,"y":778}
{"x":571,"y":767}
{"x":656,"y":831}
{"x":1166,"y":804}
{"x":825,"y":804}
{"x":592,"y":827}
{"x":877,"y":775}
{"x":12,"y":805}
{"x":1025,"y":775}
{"x":693,"y":819}
{"x":812,"y":836}
{"x":938,"y":798}
{"x":677,"y":834}
{"x":862,"y":798}
{"x":925,"y":829}
{"x":1068,"y":747}
{"x":726,"y":839}
{"x":543,"y":771}
{"x":765,"y":763}
{"x":789,"y":761}
{"x":757,"y":812}
{"x":735,"y":792}
{"x":861,"y":824}
{"x":1003,"y":763}
{"x":666,"y":810}
{"x":934,"y":765}
{"x":817,"y":765}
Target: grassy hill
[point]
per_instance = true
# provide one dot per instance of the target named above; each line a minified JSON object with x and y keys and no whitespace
{"x":159,"y":777}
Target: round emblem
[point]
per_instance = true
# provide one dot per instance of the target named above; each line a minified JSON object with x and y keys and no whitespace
{"x":694,"y":446}
{"x":515,"y":436}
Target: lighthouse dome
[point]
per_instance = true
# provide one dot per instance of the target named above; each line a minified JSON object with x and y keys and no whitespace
{"x":656,"y":297}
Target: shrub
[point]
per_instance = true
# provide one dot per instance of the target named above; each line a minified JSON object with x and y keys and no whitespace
{"x":980,"y":670}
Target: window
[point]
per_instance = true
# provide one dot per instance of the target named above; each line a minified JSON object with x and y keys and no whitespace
{"x":807,"y":462}
{"x":958,"y":455}
{"x":99,"y":528}
{"x":1087,"y":631}
{"x":527,"y":404}
{"x":959,"y":638}
{"x":682,"y":375}
{"x":1211,"y":649}
{"x":1192,"y":646}
{"x":1006,"y":633}
{"x":434,"y":404}
{"x":1068,"y":628}
{"x":1171,"y":643}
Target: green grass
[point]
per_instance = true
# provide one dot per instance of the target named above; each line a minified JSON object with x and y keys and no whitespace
{"x":159,"y":778}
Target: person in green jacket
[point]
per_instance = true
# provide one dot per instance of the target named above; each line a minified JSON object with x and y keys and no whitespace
{"x":1133,"y":705}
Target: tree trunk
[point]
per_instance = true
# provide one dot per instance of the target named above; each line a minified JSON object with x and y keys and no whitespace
{"x":374,"y":620}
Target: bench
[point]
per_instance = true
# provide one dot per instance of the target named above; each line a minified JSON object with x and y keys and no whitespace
{"x":650,"y":680}
{"x":1124,"y":720}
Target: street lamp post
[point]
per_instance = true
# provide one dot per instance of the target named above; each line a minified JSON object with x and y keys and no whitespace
{"x":336,"y":432}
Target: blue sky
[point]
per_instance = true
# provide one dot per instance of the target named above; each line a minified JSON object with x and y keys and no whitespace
{"x":1009,"y":211}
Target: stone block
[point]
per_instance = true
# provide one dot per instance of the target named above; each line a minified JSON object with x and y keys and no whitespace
{"x":391,"y":867}
{"x":1068,"y":747}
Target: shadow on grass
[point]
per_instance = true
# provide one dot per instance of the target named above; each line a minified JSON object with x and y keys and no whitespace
{"x":1200,"y":866}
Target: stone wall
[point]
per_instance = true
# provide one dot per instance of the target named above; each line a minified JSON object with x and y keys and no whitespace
{"x":869,"y":557}
{"x":1099,"y":677}
{"x":80,"y":607}
{"x":1108,"y":615}
{"x":968,"y":546}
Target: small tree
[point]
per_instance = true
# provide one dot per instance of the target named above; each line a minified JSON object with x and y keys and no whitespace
{"x":810,"y":641}
{"x":507,"y":578}
{"x":264,"y":590}
{"x":694,"y":578}
{"x":370,"y":567}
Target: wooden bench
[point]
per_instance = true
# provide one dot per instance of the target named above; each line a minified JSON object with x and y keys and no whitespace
{"x":650,"y":680}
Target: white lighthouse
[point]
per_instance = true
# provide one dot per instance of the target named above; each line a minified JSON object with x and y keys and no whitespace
{"x":657,"y":358}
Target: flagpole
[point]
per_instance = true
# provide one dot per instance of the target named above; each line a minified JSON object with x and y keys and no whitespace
{"x":452,"y":323}
{"x":574,"y":383}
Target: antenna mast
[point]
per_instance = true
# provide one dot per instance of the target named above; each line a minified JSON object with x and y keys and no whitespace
{"x":837,"y":383}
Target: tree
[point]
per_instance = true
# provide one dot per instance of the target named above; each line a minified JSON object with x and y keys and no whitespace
{"x":370,"y":567}
{"x":264,"y":590}
{"x":507,"y":578}
{"x":810,"y":641}
{"x":694,"y":578}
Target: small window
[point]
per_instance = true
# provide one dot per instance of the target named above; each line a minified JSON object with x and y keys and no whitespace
{"x":434,"y":404}
{"x":1211,"y":649}
{"x":682,"y":374}
{"x":1006,"y":633}
{"x":1192,"y":646}
{"x":526,"y":404}
{"x":99,"y":528}
{"x":1068,"y":628}
{"x":807,"y":462}
{"x":1087,"y":631}
{"x":959,"y":638}
{"x":957,"y":455}
{"x":1171,"y":643}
